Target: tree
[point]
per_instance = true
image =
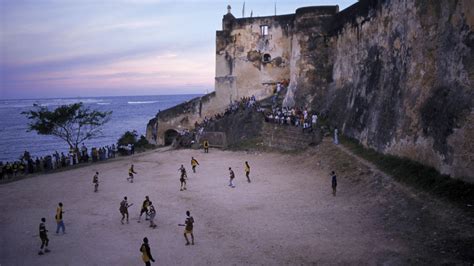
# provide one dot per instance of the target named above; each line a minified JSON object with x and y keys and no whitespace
{"x":72,"y":123}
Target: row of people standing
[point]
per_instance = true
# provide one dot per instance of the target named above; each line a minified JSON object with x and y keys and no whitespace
{"x":29,"y":165}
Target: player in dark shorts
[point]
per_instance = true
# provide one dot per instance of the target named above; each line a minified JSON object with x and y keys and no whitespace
{"x":95,"y":181}
{"x":247,"y":171}
{"x":183,"y":177}
{"x":44,"y":237}
{"x":124,"y":209}
{"x":188,"y":228}
{"x":194,"y":163}
{"x":146,"y":254}
{"x":131,"y":171}
{"x":144,"y":209}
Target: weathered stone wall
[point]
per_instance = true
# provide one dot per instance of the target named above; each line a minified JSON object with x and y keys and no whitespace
{"x":395,"y":74}
{"x":242,"y":68}
{"x":402,"y":80}
{"x":311,"y":69}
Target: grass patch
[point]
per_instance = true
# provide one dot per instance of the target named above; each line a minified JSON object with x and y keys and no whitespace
{"x":415,"y":174}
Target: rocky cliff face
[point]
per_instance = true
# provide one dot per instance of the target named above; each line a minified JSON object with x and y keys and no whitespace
{"x":402,"y":80}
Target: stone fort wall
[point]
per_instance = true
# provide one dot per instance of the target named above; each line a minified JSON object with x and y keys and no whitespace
{"x":396,"y":75}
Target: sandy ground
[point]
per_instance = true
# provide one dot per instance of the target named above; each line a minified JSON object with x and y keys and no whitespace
{"x":287,"y":215}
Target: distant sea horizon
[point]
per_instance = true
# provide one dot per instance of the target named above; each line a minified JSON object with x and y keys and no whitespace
{"x":128,"y":113}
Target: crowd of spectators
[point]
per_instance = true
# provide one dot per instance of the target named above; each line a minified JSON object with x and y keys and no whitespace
{"x":28,"y":165}
{"x":298,"y":117}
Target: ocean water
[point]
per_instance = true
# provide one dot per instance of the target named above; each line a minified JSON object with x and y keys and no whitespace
{"x":128,"y":113}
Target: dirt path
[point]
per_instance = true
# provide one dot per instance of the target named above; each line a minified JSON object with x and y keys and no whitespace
{"x":287,"y":215}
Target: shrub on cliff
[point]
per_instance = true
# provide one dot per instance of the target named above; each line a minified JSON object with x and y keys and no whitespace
{"x":130,"y":138}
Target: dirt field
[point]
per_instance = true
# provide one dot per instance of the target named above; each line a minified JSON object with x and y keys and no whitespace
{"x":287,"y":215}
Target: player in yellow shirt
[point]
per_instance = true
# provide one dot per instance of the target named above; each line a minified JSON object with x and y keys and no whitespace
{"x":194,"y":163}
{"x":247,"y":171}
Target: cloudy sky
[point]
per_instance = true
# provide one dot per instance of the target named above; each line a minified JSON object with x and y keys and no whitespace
{"x":70,"y":48}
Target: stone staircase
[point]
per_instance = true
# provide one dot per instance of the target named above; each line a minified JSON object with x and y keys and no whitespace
{"x":288,"y":138}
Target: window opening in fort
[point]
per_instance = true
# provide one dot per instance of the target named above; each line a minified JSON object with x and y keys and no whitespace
{"x":264,"y":30}
{"x":267,"y":58}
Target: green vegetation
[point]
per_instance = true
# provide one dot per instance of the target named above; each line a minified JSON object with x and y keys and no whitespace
{"x":72,"y":123}
{"x":415,"y":174}
{"x":130,"y":137}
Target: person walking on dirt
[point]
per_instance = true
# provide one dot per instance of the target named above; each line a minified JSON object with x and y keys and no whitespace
{"x":146,"y":254}
{"x":333,"y":183}
{"x":124,"y":209}
{"x":95,"y":181}
{"x":231,"y":176}
{"x":131,"y":171}
{"x":188,"y":228}
{"x":206,"y":146}
{"x":152,"y":212}
{"x":183,"y":177}
{"x":247,"y":171}
{"x":144,"y":209}
{"x":59,"y":218}
{"x":194,"y":163}
{"x":44,"y":237}
{"x":336,"y":136}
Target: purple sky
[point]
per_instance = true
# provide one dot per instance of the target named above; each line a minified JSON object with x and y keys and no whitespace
{"x":70,"y":48}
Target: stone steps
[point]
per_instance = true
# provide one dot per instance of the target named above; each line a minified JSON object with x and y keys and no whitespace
{"x":287,"y":137}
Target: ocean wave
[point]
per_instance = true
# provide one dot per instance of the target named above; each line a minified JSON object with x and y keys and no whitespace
{"x":143,"y":102}
{"x":47,"y":102}
{"x":103,"y":103}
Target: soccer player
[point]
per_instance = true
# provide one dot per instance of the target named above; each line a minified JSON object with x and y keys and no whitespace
{"x":44,"y":237}
{"x":247,"y":171}
{"x":194,"y":163}
{"x":231,"y":176}
{"x":146,"y":254}
{"x":59,"y":218}
{"x":124,"y":209}
{"x":95,"y":181}
{"x":144,"y":209}
{"x":131,"y":171}
{"x":183,"y":177}
{"x":188,"y":228}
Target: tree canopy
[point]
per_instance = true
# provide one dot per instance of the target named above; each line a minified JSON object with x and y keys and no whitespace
{"x":73,"y":123}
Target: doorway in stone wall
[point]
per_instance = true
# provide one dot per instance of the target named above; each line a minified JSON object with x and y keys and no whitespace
{"x":170,"y":136}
